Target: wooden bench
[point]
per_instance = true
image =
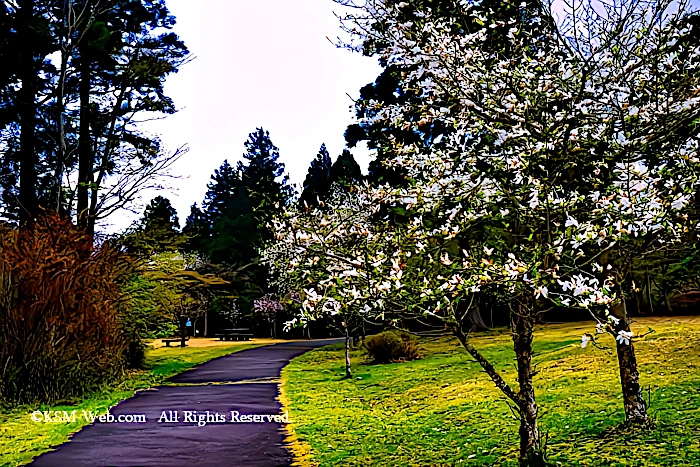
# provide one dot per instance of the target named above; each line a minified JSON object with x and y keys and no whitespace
{"x":237,"y":334}
{"x":167,"y":342}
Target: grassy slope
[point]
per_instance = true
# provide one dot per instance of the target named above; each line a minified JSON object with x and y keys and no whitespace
{"x":442,"y":410}
{"x":22,"y":439}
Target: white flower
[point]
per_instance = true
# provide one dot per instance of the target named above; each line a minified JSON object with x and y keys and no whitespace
{"x":445,"y":259}
{"x":584,"y":341}
{"x":679,"y":203}
{"x":571,"y":221}
{"x":384,"y":286}
{"x":623,"y":337}
{"x":564,"y":285}
{"x":488,"y":251}
{"x":541,"y":291}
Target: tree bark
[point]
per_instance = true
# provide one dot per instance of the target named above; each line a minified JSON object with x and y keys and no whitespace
{"x":474,"y":318}
{"x":522,"y":326}
{"x":485,"y":364}
{"x":85,"y":156}
{"x":62,"y":148}
{"x":206,"y":323}
{"x":632,"y":397}
{"x":28,"y":199}
{"x":530,"y":450}
{"x":183,"y":331}
{"x":348,"y":369}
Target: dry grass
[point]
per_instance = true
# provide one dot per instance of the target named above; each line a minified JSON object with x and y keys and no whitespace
{"x":198,"y":342}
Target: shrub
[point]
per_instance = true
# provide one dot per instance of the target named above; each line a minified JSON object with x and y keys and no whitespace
{"x":61,"y":331}
{"x":392,"y":346}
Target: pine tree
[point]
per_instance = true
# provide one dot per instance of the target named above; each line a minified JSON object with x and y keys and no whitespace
{"x":318,"y":179}
{"x":221,"y":190}
{"x":346,"y":171}
{"x":157,"y":231}
{"x":78,"y":109}
{"x":196,"y":230}
{"x":264,"y":181}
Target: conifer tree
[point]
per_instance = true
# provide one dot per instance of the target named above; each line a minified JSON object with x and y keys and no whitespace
{"x":346,"y":171}
{"x":318,"y":179}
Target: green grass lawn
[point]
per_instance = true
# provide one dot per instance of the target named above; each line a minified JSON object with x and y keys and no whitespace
{"x":22,"y":439}
{"x":443,"y":411}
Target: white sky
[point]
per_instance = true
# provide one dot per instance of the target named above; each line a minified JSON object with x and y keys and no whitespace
{"x":258,"y":63}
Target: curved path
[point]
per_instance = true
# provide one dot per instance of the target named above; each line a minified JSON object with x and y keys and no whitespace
{"x":183,"y":442}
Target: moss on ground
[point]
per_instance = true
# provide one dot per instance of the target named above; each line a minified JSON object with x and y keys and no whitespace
{"x":443,"y":410}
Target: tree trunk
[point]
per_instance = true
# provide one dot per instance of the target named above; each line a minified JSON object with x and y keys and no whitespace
{"x":476,"y":323}
{"x":183,"y":331}
{"x":530,"y":450}
{"x":206,"y":323}
{"x":632,"y":397}
{"x":62,"y":148}
{"x":28,"y":199}
{"x":348,"y":369}
{"x":85,"y":161}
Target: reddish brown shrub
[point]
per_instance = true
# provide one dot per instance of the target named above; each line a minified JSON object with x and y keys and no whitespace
{"x":60,"y":330}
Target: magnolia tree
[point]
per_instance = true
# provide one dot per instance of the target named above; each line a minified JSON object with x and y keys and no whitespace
{"x":334,"y":254}
{"x":569,"y":158}
{"x":568,"y":136}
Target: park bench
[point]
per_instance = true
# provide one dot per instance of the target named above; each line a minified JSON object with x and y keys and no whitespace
{"x":236,"y":334}
{"x":167,"y":342}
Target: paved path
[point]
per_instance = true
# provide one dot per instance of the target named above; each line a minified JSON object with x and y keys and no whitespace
{"x":184,"y":443}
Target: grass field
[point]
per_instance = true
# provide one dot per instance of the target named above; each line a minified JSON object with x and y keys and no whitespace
{"x":443,"y":411}
{"x":22,"y":439}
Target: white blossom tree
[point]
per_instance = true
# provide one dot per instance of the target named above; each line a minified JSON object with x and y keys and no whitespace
{"x":570,"y":157}
{"x":333,"y":254}
{"x":584,"y":138}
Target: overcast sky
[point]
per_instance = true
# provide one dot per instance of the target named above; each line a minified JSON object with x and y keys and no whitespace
{"x":258,"y":63}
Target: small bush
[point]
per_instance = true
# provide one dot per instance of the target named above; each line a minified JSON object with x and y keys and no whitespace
{"x":61,"y":332}
{"x":392,"y":346}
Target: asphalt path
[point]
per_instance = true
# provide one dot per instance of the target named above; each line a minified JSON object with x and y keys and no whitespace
{"x":173,"y":435}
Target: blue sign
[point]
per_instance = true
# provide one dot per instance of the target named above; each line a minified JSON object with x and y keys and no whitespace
{"x":189,"y":323}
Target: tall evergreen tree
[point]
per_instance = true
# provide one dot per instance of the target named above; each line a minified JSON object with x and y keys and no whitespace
{"x":265,"y":182}
{"x":76,"y":76}
{"x":233,"y":222}
{"x":221,"y":190}
{"x":196,"y":230}
{"x":346,"y":171}
{"x":317,"y":182}
{"x":215,"y":227}
{"x":160,"y":214}
{"x":157,"y":231}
